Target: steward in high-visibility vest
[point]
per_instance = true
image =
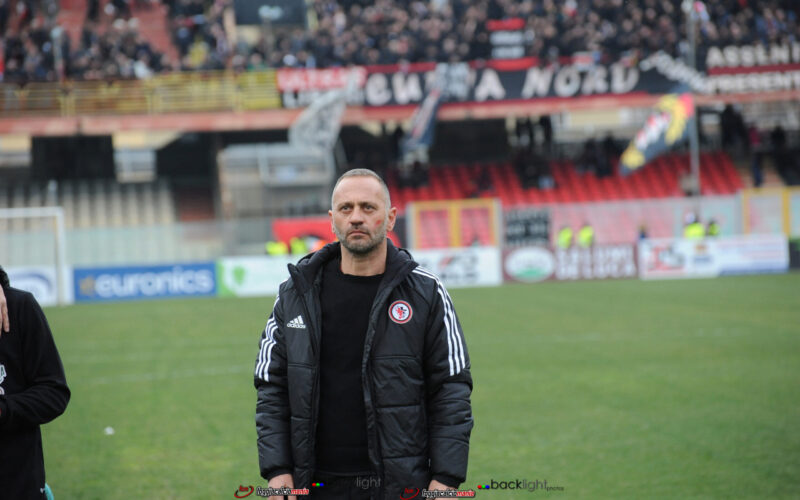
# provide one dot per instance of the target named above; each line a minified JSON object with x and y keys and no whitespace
{"x":298,"y":246}
{"x":694,"y":231}
{"x":564,"y":239}
{"x":276,"y":248}
{"x":713,"y":228}
{"x":586,"y":236}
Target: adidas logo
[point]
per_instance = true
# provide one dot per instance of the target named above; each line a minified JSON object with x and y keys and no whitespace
{"x":297,"y":323}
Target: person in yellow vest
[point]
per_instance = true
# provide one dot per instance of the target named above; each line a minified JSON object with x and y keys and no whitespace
{"x":713,"y":228}
{"x":276,"y":248}
{"x":586,"y":236}
{"x":564,"y":238}
{"x":298,"y":246}
{"x":693,"y":230}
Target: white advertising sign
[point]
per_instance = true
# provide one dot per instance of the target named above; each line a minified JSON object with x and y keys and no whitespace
{"x":40,"y":281}
{"x":251,"y":276}
{"x":711,"y":257}
{"x":463,"y":267}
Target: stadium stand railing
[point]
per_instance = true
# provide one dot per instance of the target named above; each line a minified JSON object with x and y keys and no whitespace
{"x":170,"y":93}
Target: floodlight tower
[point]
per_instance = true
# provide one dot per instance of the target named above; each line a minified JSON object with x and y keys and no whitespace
{"x":694,"y":143}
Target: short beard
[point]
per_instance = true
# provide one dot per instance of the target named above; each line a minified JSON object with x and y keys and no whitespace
{"x":366,"y":247}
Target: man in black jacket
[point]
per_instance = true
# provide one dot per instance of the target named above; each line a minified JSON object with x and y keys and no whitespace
{"x":33,"y":391}
{"x":362,"y":374}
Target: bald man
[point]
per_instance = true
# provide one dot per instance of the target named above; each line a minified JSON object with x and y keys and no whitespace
{"x":363,"y":375}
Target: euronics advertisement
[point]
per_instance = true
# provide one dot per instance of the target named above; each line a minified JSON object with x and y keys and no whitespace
{"x":463,"y":267}
{"x":99,"y":284}
{"x":252,"y":276}
{"x":712,"y":257}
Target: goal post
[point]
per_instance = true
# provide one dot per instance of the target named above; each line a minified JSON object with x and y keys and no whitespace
{"x":17,"y":226}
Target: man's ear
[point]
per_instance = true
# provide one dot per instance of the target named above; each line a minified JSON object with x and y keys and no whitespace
{"x":392,"y":218}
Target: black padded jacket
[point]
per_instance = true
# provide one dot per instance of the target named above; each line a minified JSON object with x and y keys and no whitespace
{"x":415,"y":376}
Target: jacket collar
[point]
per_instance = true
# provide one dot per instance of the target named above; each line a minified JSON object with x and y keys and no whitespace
{"x":398,"y":264}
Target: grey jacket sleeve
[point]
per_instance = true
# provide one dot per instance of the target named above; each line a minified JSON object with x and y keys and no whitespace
{"x":272,"y":408}
{"x":449,"y":385}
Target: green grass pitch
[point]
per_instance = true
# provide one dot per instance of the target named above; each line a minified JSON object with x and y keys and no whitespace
{"x":616,"y":389}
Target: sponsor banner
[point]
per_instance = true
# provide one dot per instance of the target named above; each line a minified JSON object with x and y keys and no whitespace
{"x":527,"y":227}
{"x":252,"y":276}
{"x":539,"y":263}
{"x":40,"y":281}
{"x":463,"y":267}
{"x":144,"y":282}
{"x":712,"y":257}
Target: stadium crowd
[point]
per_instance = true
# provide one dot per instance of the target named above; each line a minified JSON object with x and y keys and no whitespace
{"x":370,"y":32}
{"x":36,"y":48}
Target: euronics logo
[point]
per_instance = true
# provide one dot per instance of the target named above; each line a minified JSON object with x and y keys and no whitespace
{"x":123,"y":283}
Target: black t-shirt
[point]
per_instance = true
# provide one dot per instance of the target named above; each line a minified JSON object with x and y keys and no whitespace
{"x":341,"y":446}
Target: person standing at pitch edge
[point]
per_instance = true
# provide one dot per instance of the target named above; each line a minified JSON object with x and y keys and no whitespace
{"x":33,"y":391}
{"x":363,"y":375}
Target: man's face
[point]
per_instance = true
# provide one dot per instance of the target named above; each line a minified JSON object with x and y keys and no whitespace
{"x":360,"y":216}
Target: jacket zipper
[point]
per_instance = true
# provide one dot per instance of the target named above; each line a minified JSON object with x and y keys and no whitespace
{"x":313,"y":327}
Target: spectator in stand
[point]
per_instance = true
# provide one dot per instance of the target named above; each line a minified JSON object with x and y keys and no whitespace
{"x":754,"y":137}
{"x":4,"y":15}
{"x":590,"y":157}
{"x":547,"y":134}
{"x":119,"y":52}
{"x":394,"y":32}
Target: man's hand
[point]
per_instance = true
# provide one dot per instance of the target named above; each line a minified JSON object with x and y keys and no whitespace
{"x":282,"y":481}
{"x":4,"y":325}
{"x":437,"y":486}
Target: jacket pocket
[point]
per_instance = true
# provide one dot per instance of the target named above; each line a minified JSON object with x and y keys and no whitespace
{"x":397,"y":381}
{"x":301,"y":380}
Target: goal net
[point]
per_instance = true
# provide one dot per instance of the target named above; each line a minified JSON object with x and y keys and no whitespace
{"x":33,"y":252}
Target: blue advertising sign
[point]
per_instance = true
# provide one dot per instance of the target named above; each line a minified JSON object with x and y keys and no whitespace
{"x":145,"y":282}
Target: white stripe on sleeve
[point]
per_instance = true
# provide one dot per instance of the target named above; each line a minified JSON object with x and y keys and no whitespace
{"x":455,"y":346}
